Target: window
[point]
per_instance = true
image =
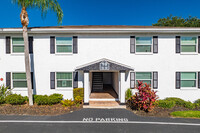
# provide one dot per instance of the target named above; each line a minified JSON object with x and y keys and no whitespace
{"x":64,"y":79}
{"x":19,"y":80}
{"x":146,"y":77}
{"x":188,"y":44}
{"x":188,"y":79}
{"x":17,"y":45}
{"x":64,"y":44}
{"x":143,"y":44}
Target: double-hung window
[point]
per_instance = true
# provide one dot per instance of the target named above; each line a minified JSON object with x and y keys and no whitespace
{"x":188,"y":44}
{"x":188,"y":79}
{"x":17,"y":45}
{"x":146,"y":77}
{"x":64,"y":44}
{"x":64,"y":79}
{"x":144,"y":44}
{"x":19,"y":80}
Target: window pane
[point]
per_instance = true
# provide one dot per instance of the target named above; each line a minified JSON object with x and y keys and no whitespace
{"x":144,"y":81}
{"x":188,"y":48}
{"x":19,"y":75}
{"x":143,"y":40}
{"x":143,"y":48}
{"x":188,"y":83}
{"x":63,"y":40}
{"x":18,"y":49}
{"x":188,"y":75}
{"x":18,"y":40}
{"x":61,"y":75}
{"x":64,"y":48}
{"x":17,"y":84}
{"x":188,"y":40}
{"x":64,"y":83}
{"x":143,"y":75}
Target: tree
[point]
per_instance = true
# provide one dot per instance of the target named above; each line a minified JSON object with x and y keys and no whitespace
{"x":44,"y":6}
{"x":175,"y":21}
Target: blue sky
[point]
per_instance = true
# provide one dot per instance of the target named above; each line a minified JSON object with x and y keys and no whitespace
{"x":102,"y":12}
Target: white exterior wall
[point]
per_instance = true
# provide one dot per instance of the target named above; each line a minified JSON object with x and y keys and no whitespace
{"x":92,"y":47}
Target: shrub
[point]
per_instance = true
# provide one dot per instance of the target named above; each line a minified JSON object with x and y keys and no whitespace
{"x":144,"y":99}
{"x":2,"y":100}
{"x":15,"y":99}
{"x":129,"y":94}
{"x":4,"y":91}
{"x":178,"y":101}
{"x":67,"y":103}
{"x":166,"y":103}
{"x":78,"y":92}
{"x":48,"y":100}
{"x":189,"y":105}
{"x":78,"y":100}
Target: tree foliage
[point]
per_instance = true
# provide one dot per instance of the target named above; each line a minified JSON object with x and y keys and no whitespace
{"x":175,"y":21}
{"x":43,"y":5}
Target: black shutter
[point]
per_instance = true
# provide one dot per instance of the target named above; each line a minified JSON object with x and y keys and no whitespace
{"x":8,"y":79}
{"x":32,"y":79}
{"x":199,"y":80}
{"x":155,"y":80}
{"x":30,"y":41}
{"x":75,"y":44}
{"x":178,"y":80}
{"x":8,"y":45}
{"x":132,"y":80}
{"x":132,"y":44}
{"x":52,"y":80}
{"x":155,"y":44}
{"x":52,"y":45}
{"x":198,"y":44}
{"x":178,"y":44}
{"x":75,"y":77}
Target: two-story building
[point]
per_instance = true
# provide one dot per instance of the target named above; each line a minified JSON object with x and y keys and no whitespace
{"x":100,"y":59}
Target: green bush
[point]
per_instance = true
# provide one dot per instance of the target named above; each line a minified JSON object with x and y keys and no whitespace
{"x":15,"y":99}
{"x":47,"y":100}
{"x":189,"y":105}
{"x":129,"y":94}
{"x":78,"y":92}
{"x":178,"y":101}
{"x":166,"y":104}
{"x":67,"y":103}
{"x":2,"y":100}
{"x":78,"y":100}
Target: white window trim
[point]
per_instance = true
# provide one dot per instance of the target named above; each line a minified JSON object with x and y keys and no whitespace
{"x":189,"y":53}
{"x":63,"y":53}
{"x":17,"y":88}
{"x":144,"y":79}
{"x":62,"y":88}
{"x":144,"y":53}
{"x":11,"y":42}
{"x":187,"y":88}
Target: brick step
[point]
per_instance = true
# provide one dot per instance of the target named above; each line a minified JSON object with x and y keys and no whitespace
{"x":103,"y":103}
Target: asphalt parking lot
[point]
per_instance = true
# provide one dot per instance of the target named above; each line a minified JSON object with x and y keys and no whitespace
{"x":97,"y":120}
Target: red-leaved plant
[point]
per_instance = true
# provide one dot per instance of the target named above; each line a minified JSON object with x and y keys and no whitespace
{"x":145,"y":98}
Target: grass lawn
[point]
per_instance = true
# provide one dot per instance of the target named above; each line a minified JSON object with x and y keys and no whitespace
{"x":186,"y":114}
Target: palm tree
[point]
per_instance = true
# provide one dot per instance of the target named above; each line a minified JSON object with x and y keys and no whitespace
{"x":44,"y":6}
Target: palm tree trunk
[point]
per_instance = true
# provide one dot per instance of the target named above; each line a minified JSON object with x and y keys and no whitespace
{"x":24,"y":20}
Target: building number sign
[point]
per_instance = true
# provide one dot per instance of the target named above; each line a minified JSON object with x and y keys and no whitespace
{"x":104,"y":65}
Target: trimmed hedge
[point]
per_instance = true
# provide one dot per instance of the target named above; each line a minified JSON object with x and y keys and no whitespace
{"x":78,"y":92}
{"x":15,"y":99}
{"x":47,"y":100}
{"x":166,"y":104}
{"x":178,"y":101}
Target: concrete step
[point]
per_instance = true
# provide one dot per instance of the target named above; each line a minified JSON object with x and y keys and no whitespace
{"x":103,"y":103}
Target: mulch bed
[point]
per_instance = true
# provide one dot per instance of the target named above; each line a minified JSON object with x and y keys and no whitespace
{"x":158,"y":111}
{"x":36,"y":110}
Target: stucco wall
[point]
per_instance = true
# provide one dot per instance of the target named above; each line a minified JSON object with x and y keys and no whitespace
{"x":93,"y":47}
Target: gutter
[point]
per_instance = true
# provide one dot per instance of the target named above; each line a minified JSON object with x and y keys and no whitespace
{"x":103,"y":30}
